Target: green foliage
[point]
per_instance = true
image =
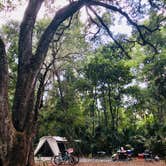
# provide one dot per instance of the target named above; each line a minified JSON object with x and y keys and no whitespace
{"x":99,"y":98}
{"x":138,"y":143}
{"x":96,"y":108}
{"x":10,"y":35}
{"x":63,"y":113}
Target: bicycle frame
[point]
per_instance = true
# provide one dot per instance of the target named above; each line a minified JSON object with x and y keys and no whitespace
{"x":65,"y":157}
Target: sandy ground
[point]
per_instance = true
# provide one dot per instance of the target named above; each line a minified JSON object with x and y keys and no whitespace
{"x":110,"y":163}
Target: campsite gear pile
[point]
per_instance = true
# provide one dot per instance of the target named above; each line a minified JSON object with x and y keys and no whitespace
{"x":148,"y":156}
{"x":122,"y":154}
{"x":65,"y":158}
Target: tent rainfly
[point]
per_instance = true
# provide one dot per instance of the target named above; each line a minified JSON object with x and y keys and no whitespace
{"x":50,"y":146}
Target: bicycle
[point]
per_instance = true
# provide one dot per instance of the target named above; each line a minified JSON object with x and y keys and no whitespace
{"x":65,"y":158}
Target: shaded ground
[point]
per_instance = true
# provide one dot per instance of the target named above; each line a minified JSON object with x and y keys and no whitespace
{"x":110,"y":163}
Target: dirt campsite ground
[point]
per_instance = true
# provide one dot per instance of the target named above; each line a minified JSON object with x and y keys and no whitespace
{"x":110,"y":163}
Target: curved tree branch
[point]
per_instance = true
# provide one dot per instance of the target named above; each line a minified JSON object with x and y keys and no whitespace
{"x":138,"y":27}
{"x":109,"y":32}
{"x":47,"y":36}
{"x":95,"y":23}
{"x":29,"y":66}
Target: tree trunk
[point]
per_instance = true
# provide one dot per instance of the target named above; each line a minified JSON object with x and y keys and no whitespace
{"x":7,"y":132}
{"x":17,"y":133}
{"x":64,"y":107}
{"x":20,"y":152}
{"x":111,"y":109}
{"x":15,"y":148}
{"x":105,"y":109}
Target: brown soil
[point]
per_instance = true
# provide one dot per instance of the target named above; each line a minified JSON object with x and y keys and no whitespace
{"x":129,"y":163}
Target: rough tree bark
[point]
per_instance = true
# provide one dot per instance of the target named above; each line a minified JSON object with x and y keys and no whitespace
{"x":7,"y":132}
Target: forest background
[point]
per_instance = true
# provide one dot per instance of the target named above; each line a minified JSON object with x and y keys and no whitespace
{"x":100,"y":87}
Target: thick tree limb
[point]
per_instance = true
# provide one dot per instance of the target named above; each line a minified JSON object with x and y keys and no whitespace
{"x":46,"y":38}
{"x":4,"y":114}
{"x":28,"y":70}
{"x":25,"y":81}
{"x":26,"y":31}
{"x":6,"y":127}
{"x":3,"y":71}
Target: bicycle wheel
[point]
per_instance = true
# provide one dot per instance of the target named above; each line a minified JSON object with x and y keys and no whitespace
{"x":71,"y":160}
{"x":75,"y":158}
{"x":55,"y":161}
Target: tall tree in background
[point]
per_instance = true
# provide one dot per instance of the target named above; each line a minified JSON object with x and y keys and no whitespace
{"x":17,"y":127}
{"x":108,"y":75}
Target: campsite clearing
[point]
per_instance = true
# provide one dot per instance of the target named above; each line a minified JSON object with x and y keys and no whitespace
{"x":123,"y":163}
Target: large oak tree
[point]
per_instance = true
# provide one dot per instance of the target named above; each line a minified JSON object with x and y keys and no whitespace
{"x":17,"y":126}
